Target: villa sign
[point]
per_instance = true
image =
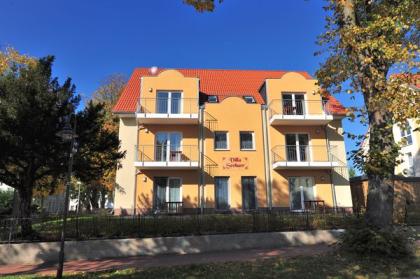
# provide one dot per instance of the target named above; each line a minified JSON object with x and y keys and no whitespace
{"x":234,"y":163}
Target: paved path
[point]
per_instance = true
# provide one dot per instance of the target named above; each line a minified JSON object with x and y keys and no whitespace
{"x":165,"y":260}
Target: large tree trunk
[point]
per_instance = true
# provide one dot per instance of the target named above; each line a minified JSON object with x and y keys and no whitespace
{"x":25,"y":202}
{"x":380,"y":168}
{"x":380,"y":202}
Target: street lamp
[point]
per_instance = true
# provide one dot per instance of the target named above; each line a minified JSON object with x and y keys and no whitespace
{"x":67,"y":135}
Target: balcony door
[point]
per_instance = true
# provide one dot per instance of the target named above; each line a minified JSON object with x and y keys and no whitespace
{"x":168,"y":102}
{"x":167,"y":192}
{"x":301,"y":189}
{"x":249,"y":201}
{"x":293,"y":103}
{"x":168,"y":147}
{"x":297,"y":147}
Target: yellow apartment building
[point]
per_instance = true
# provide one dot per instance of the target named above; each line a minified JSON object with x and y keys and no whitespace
{"x":202,"y":140}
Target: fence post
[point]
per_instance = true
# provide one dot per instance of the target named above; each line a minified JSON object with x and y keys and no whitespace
{"x":307,"y":220}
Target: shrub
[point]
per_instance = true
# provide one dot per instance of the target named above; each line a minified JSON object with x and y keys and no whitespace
{"x":362,"y":239}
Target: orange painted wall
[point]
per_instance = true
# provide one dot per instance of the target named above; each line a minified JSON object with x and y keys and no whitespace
{"x":147,"y":138}
{"x":144,"y":189}
{"x":170,"y":80}
{"x":234,"y":115}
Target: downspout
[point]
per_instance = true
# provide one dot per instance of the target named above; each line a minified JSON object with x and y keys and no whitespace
{"x":334,"y":198}
{"x":267,"y":172}
{"x":136,"y":171}
{"x":201,"y":157}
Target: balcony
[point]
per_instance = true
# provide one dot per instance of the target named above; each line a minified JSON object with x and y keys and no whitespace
{"x":304,"y":157}
{"x":167,"y":156}
{"x":299,"y":112}
{"x":172,"y":110}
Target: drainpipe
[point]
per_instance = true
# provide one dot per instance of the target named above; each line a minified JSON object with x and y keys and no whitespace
{"x":267,"y":169}
{"x":201,"y":157}
{"x":334,"y":198}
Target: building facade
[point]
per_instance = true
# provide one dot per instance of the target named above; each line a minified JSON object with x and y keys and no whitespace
{"x":410,"y":149}
{"x":228,"y":140}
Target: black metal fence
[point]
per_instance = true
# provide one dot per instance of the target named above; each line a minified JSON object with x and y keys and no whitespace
{"x":108,"y":226}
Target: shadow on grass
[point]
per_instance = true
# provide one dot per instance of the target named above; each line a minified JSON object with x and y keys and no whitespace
{"x":333,"y":265}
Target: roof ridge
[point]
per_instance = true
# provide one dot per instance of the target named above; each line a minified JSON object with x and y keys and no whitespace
{"x":220,"y":69}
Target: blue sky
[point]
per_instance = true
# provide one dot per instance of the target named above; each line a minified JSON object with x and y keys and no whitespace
{"x":93,"y":39}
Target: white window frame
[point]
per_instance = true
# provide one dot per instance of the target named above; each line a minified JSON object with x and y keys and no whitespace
{"x":253,"y":141}
{"x":180,"y":188}
{"x":302,"y":201}
{"x":170,"y":100}
{"x":406,"y":133}
{"x":227,"y":141}
{"x":293,"y":94}
{"x":410,"y":162}
{"x":229,"y":192}
{"x":168,"y":147}
{"x":168,"y":178}
{"x":297,"y":146}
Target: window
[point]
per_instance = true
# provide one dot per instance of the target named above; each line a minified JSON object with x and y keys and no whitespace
{"x":406,"y":134}
{"x":248,"y":193}
{"x":221,"y":141}
{"x":246,"y":140}
{"x":301,"y":190}
{"x":212,"y":99}
{"x":168,"y":147}
{"x":221,"y":188}
{"x":249,"y":99}
{"x":293,"y":103}
{"x":410,"y":163}
{"x":167,"y":193}
{"x":297,"y":147}
{"x":168,"y":102}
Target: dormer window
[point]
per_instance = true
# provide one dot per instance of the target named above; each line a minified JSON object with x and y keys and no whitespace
{"x":212,"y":99}
{"x":249,"y":99}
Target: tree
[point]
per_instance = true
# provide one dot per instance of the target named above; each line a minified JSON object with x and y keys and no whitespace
{"x":34,"y":107}
{"x":364,"y":41}
{"x":108,"y":93}
{"x":352,"y":172}
{"x":98,"y":153}
{"x":202,"y":5}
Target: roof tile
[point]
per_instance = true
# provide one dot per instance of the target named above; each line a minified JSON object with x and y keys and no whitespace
{"x":223,"y":83}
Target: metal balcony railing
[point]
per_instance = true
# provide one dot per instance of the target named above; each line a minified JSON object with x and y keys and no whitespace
{"x":304,"y":153}
{"x":299,"y":107}
{"x":168,"y":207}
{"x":167,"y":153}
{"x":168,"y":105}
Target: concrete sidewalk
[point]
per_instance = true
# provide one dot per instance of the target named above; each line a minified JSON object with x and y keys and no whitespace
{"x":165,"y":260}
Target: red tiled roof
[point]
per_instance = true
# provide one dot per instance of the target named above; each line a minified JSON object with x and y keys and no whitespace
{"x":223,"y":83}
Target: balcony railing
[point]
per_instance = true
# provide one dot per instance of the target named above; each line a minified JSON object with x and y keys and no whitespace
{"x":304,"y":156}
{"x":161,"y":155}
{"x":169,"y":207}
{"x":280,"y":109}
{"x":168,"y":106}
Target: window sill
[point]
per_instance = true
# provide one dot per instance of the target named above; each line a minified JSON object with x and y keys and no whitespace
{"x":221,"y":149}
{"x":248,"y":150}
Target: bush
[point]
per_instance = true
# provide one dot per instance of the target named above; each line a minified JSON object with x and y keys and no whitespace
{"x":362,"y":239}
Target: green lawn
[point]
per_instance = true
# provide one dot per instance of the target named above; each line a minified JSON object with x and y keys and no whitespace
{"x":332,"y":265}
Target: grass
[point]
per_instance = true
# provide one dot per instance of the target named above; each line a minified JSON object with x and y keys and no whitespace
{"x":334,"y":265}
